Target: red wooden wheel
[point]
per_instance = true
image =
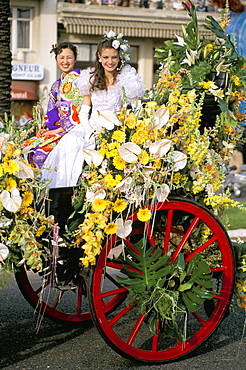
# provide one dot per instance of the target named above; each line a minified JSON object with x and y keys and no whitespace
{"x":184,"y":231}
{"x":63,"y":298}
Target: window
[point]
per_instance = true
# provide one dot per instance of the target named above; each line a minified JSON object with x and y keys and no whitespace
{"x":20,"y":21}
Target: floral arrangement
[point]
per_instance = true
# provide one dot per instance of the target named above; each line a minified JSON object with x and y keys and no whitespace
{"x":21,"y":222}
{"x":119,"y":43}
{"x":213,"y":68}
{"x":139,"y":157}
{"x":161,"y":148}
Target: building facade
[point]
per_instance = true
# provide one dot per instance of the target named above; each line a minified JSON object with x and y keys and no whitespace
{"x":38,"y":24}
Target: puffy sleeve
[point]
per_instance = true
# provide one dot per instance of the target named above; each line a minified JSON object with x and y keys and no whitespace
{"x":83,"y":82}
{"x":132,"y":83}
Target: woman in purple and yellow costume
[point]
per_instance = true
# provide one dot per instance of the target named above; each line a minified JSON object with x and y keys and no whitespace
{"x":63,"y":105}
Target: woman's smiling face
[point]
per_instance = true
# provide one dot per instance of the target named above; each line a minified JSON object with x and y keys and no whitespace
{"x":110,"y":59}
{"x":66,"y":61}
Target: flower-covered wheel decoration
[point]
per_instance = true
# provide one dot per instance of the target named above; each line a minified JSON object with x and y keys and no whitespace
{"x":169,"y":270}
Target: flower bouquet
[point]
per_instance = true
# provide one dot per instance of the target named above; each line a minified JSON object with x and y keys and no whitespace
{"x":22,"y":222}
{"x":211,"y":66}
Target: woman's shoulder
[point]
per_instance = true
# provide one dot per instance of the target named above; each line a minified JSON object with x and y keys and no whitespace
{"x":86,"y":72}
{"x":83,"y":82}
{"x":127,"y":70}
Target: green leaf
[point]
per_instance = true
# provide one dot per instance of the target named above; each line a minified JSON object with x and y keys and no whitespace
{"x":191,"y":306}
{"x":153,"y":323}
{"x":195,"y":298}
{"x":181,"y":261}
{"x":185,"y":286}
{"x":203,"y":293}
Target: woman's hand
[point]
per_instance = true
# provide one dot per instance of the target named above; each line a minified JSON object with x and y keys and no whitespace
{"x":45,"y":132}
{"x":41,"y":132}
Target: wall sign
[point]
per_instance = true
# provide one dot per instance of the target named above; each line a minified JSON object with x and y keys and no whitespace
{"x":25,"y":71}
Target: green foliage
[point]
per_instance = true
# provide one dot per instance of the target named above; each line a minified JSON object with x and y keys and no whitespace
{"x":164,"y":289}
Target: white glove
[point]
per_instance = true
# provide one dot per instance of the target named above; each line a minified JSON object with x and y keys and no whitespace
{"x":84,"y":113}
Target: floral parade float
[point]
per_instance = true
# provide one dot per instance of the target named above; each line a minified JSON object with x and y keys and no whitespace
{"x":144,"y":233}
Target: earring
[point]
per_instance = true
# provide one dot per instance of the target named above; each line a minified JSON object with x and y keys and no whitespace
{"x":100,"y":60}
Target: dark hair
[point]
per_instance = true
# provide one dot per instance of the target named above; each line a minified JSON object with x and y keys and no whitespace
{"x":234,"y":5}
{"x":65,"y":45}
{"x":98,"y":80}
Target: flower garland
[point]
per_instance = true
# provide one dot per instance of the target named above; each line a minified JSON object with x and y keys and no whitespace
{"x":21,"y":223}
{"x":119,"y":43}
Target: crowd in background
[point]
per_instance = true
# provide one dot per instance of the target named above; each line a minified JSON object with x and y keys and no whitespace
{"x":201,"y":5}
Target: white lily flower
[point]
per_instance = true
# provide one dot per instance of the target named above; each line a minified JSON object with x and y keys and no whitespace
{"x":95,"y":125}
{"x":160,"y":147}
{"x":111,"y":34}
{"x":124,"y":185}
{"x":124,"y":227}
{"x":5,"y":222}
{"x":219,"y":93}
{"x":161,"y":117}
{"x":191,"y":58}
{"x":180,"y":160}
{"x":4,"y":252}
{"x":129,"y":152}
{"x":180,"y":42}
{"x":25,"y":171}
{"x":92,"y":157}
{"x":116,"y":252}
{"x":105,"y":119}
{"x":11,"y":200}
{"x":95,"y":193}
{"x":116,"y":44}
{"x":162,"y":193}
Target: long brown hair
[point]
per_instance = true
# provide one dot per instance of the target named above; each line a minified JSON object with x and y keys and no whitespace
{"x":98,"y":79}
{"x":234,"y":5}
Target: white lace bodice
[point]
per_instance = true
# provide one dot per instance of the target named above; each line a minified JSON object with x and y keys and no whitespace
{"x":112,"y":99}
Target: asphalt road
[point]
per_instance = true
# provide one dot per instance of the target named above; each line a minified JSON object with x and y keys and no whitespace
{"x":63,"y":347}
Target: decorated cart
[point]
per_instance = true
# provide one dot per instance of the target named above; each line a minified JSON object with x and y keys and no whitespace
{"x":138,"y":245}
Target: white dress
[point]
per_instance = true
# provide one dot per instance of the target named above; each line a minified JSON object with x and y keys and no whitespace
{"x":112,"y":99}
{"x":64,"y":164}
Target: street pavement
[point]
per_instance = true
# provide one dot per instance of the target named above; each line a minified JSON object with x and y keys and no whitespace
{"x":65,"y":347}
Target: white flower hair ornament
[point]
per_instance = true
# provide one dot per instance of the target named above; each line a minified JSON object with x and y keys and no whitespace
{"x":119,"y":44}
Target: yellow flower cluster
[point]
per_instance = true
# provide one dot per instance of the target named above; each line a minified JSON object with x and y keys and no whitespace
{"x":21,"y":224}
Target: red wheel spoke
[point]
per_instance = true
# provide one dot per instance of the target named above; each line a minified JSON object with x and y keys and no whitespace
{"x":185,"y":239}
{"x":119,"y":267}
{"x":136,"y":329}
{"x":199,"y":318}
{"x":201,"y":248}
{"x":110,"y":278}
{"x":120,"y":315}
{"x":131,"y":246}
{"x":113,"y":292}
{"x":218,"y":269}
{"x":168,"y":230}
{"x":114,"y":265}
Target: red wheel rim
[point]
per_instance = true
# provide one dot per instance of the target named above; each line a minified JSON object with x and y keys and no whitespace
{"x":69,"y":305}
{"x":127,"y":344}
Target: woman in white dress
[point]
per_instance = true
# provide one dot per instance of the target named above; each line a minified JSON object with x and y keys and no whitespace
{"x":105,"y":87}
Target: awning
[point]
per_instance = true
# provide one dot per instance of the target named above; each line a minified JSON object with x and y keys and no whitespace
{"x":148,"y":29}
{"x":24,"y":90}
